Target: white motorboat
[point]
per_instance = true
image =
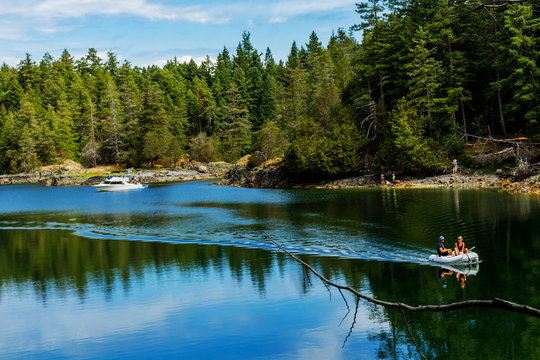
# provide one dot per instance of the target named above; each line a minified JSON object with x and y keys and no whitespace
{"x":119,"y":183}
{"x":469,"y":258}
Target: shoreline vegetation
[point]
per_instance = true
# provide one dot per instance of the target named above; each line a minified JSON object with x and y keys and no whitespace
{"x":429,"y":82}
{"x":271,"y":175}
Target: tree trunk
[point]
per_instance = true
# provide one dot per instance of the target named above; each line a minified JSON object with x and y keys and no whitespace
{"x":464,"y":119}
{"x":115,"y":128}
{"x":94,"y":162}
{"x":501,"y":116}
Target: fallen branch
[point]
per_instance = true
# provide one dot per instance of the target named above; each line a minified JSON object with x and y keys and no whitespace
{"x":492,"y":4}
{"x":495,"y":303}
{"x":410,"y":334}
{"x":492,"y":140}
{"x":485,"y":159}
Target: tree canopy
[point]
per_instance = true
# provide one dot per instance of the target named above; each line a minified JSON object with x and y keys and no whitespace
{"x":424,"y":73}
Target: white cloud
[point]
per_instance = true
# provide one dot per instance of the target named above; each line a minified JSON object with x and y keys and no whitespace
{"x":62,"y":9}
{"x":9,"y":60}
{"x":22,"y":19}
{"x":11,"y":30}
{"x":181,"y":59}
{"x":187,"y":58}
{"x":28,"y":24}
{"x":56,"y":29}
{"x":153,"y":10}
{"x":281,"y":11}
{"x":277,"y":20}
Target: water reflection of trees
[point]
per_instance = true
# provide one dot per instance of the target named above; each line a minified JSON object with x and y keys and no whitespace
{"x":56,"y":259}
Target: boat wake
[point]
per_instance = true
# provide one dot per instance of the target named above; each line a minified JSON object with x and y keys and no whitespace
{"x":372,"y":249}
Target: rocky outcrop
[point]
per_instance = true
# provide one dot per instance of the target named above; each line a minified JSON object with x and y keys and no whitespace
{"x":454,"y":181}
{"x":530,"y":185}
{"x":22,"y":178}
{"x":260,"y":178}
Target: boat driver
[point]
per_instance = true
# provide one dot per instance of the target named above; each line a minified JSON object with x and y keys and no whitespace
{"x":441,"y":250}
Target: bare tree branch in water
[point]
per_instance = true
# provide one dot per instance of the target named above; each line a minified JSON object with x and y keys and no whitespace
{"x":346,"y":304}
{"x":411,"y":335}
{"x":496,"y":303}
{"x":354,"y":322}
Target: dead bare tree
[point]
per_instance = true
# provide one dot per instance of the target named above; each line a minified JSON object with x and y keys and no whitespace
{"x":370,"y":119}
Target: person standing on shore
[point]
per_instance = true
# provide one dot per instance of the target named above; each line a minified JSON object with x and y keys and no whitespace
{"x":454,"y":166}
{"x":383,"y":181}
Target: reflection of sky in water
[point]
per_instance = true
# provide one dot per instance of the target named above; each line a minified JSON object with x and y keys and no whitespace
{"x":200,"y":315}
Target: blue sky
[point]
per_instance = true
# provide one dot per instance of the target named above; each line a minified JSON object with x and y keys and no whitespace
{"x":147,"y":32}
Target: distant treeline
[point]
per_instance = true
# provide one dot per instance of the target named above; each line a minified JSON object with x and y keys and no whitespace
{"x":425,"y":73}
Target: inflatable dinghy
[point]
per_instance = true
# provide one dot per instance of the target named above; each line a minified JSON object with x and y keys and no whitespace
{"x":469,"y":258}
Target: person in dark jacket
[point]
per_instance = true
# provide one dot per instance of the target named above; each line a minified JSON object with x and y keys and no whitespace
{"x":441,"y":250}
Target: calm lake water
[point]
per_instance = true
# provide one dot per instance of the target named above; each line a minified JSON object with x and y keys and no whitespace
{"x":185,"y":271}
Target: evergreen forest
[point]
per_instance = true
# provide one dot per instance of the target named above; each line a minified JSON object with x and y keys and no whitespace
{"x":425,"y":74}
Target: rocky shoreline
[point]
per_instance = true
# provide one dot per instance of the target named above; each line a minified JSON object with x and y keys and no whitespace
{"x":275,"y":178}
{"x":64,"y":176}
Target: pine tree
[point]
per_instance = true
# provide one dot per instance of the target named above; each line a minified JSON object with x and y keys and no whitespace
{"x":201,"y":107}
{"x":314,"y":46}
{"x":292,"y":59}
{"x":222,"y":77}
{"x":9,"y":138}
{"x":130,"y":100}
{"x":269,"y":88}
{"x":63,"y":128}
{"x":248,"y":69}
{"x":453,"y":93}
{"x":156,"y":141}
{"x":407,"y":148}
{"x":371,"y":13}
{"x":236,"y":134}
{"x":111,"y":112}
{"x":90,"y":63}
{"x":11,"y":91}
{"x":112,"y":63}
{"x":207,"y":70}
{"x":175,"y":104}
{"x":27,"y":146}
{"x":426,"y":75}
{"x":522,"y":56}
{"x":29,"y":76}
{"x":324,"y":95}
{"x":342,"y":49}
